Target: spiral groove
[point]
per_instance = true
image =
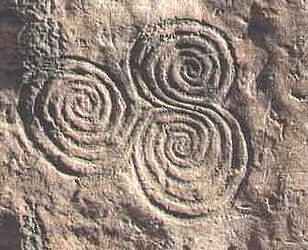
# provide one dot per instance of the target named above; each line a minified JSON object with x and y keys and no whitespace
{"x":190,"y":163}
{"x":182,"y":63}
{"x":71,"y":115}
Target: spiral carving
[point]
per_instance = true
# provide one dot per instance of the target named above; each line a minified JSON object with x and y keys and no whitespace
{"x":71,"y":115}
{"x":190,"y":163}
{"x":189,"y":154}
{"x":182,"y":63}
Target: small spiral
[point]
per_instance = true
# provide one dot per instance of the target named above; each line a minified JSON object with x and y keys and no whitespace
{"x":182,"y":63}
{"x":71,"y":115}
{"x":189,"y":163}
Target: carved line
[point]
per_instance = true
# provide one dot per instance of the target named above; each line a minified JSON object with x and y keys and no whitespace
{"x":194,"y":183}
{"x":71,"y":114}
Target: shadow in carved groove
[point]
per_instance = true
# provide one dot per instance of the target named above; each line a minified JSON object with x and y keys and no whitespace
{"x":73,"y":114}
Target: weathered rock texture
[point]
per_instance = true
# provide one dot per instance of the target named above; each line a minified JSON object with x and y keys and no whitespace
{"x":154,"y":124}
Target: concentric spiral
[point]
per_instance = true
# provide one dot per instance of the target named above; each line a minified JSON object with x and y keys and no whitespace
{"x":182,"y":63}
{"x":188,"y":163}
{"x":71,"y":115}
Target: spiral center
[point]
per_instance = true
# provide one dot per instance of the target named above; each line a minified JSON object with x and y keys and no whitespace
{"x":84,"y":104}
{"x":182,"y":146}
{"x":192,"y":68}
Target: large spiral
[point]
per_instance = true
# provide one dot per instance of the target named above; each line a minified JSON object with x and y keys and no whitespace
{"x":71,"y":115}
{"x":182,"y":63}
{"x":189,"y":163}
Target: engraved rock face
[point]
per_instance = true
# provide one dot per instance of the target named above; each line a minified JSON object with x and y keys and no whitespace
{"x":180,"y":62}
{"x":69,"y":115}
{"x":190,"y":163}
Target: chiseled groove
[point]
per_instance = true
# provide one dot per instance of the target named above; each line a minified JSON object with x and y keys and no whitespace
{"x":151,"y":158}
{"x":102,"y":105}
{"x":197,"y":132}
{"x":147,"y":64}
{"x":68,"y":131}
{"x":150,"y":162}
{"x":63,"y":144}
{"x":73,"y":148}
{"x":160,"y":206}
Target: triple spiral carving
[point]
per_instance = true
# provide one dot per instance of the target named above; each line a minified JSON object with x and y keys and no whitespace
{"x":189,"y":153}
